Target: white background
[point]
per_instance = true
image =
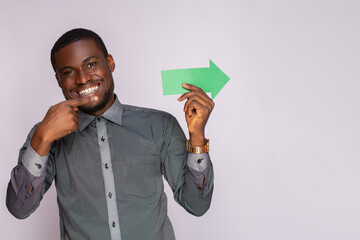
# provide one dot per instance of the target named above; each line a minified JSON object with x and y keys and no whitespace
{"x":285,"y":130}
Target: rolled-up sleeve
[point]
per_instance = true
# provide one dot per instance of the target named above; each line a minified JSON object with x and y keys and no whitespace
{"x":26,"y":186}
{"x":198,"y":165}
{"x":190,"y":176}
{"x":33,"y":162}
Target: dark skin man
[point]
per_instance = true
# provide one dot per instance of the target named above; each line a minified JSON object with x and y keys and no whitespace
{"x":107,"y":159}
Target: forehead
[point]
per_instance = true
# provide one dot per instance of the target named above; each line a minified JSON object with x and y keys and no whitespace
{"x":75,"y":53}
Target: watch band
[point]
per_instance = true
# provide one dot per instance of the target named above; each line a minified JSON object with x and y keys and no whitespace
{"x":198,"y":150}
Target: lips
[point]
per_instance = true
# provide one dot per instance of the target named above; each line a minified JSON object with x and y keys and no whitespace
{"x":89,"y":90}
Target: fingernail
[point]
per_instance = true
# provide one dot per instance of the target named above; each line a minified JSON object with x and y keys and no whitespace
{"x":185,"y":84}
{"x":95,"y":98}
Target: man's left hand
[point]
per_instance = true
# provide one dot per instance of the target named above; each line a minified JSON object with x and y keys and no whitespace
{"x":197,"y":110}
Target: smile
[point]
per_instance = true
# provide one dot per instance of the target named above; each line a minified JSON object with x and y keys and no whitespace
{"x":89,"y":90}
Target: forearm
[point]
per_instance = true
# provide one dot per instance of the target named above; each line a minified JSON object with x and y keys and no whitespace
{"x":26,"y":185}
{"x":196,"y":193}
{"x":190,"y":176}
{"x":23,"y":192}
{"x":39,"y":142}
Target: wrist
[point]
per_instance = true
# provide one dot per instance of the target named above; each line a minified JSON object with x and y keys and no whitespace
{"x":197,"y":139}
{"x":40,"y":142}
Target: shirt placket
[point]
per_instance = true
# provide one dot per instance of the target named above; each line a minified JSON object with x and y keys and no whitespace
{"x":110,"y":194}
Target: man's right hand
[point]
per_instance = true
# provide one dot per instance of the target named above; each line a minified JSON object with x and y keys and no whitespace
{"x":60,"y":120}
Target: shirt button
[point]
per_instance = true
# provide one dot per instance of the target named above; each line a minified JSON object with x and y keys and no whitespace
{"x":98,"y":118}
{"x":106,"y":166}
{"x":113,"y":224}
{"x":39,"y":166}
{"x":110,"y":194}
{"x":102,"y":139}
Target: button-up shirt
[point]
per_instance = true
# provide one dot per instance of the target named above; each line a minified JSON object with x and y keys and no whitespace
{"x":109,"y":176}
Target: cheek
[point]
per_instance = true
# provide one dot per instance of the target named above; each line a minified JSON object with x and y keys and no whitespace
{"x":67,"y":84}
{"x":67,"y":95}
{"x":66,"y":89}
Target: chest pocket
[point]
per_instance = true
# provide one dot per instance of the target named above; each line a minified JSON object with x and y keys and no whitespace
{"x":141,"y":175}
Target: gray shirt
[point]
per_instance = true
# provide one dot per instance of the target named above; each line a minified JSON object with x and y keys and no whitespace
{"x":109,"y":176}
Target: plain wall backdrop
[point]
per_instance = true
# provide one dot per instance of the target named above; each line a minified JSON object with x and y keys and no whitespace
{"x":285,"y":130}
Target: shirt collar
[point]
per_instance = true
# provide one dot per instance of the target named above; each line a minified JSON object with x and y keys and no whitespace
{"x":113,"y":114}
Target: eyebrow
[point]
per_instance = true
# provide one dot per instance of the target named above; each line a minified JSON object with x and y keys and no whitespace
{"x":85,"y":61}
{"x":89,"y":58}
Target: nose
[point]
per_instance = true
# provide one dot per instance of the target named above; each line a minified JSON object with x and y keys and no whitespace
{"x":83,"y":77}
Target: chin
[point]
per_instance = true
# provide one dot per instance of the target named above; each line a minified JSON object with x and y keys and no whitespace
{"x":98,"y":106}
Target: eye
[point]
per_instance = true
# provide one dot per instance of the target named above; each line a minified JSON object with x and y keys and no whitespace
{"x":91,"y":64}
{"x":68,"y":72}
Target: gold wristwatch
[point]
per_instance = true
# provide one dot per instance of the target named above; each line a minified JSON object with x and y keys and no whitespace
{"x":197,"y":150}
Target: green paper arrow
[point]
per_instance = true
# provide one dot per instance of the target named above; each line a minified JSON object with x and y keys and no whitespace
{"x":210,"y":79}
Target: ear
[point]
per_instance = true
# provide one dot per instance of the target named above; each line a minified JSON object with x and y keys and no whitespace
{"x":57,"y":79}
{"x":110,"y":62}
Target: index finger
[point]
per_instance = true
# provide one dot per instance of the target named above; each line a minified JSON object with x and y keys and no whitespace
{"x":191,"y":87}
{"x":193,"y":90}
{"x":80,"y":101}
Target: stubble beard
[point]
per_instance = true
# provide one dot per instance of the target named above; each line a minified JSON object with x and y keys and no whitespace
{"x":100,"y":105}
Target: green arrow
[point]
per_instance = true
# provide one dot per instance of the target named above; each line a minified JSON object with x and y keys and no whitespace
{"x":210,"y":79}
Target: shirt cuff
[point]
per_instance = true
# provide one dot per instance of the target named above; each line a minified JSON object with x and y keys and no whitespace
{"x":198,"y":162}
{"x":33,"y":162}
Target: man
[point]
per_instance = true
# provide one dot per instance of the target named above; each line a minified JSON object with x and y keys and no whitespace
{"x":107,"y":158}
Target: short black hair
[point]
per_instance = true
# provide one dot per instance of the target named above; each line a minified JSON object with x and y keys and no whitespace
{"x":75,"y":35}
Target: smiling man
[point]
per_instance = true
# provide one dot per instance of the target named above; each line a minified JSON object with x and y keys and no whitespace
{"x":107,"y":158}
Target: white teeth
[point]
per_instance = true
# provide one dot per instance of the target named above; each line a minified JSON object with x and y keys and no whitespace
{"x":89,"y":90}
